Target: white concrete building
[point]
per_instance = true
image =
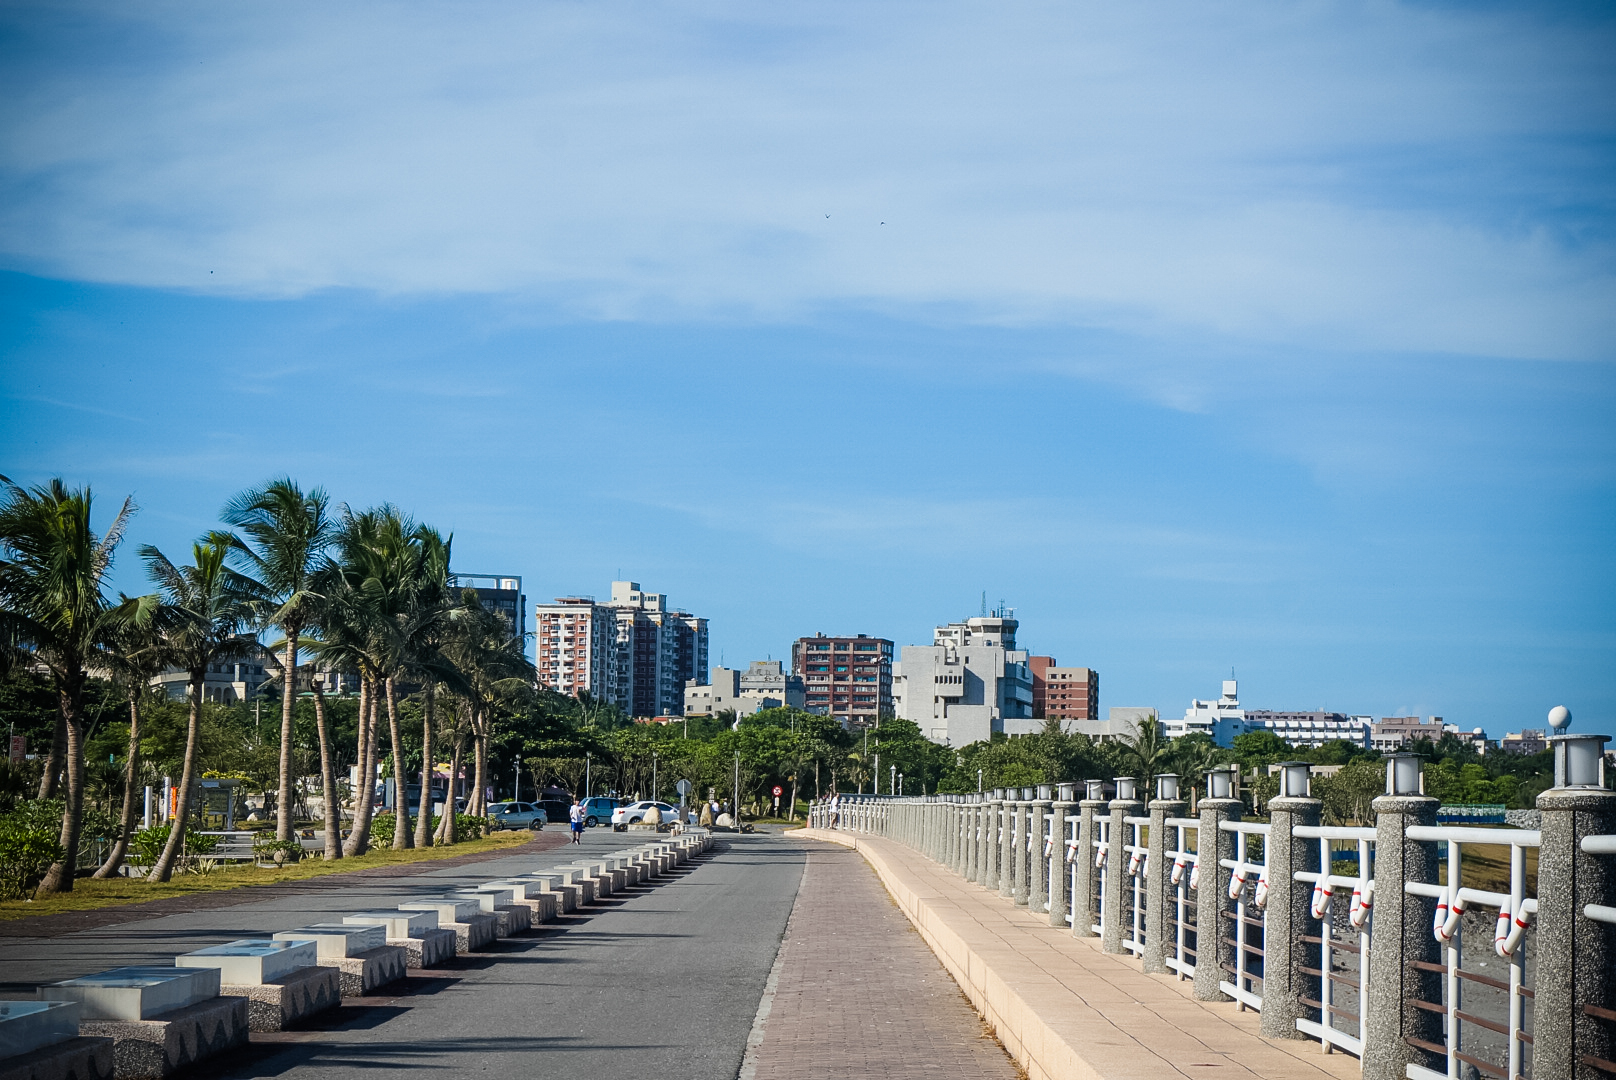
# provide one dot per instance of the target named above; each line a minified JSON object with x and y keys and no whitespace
{"x":970,"y":682}
{"x":1312,"y":729}
{"x":763,"y":685}
{"x":1222,"y":718}
{"x":633,"y":650}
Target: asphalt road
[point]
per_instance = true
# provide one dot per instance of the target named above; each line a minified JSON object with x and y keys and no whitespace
{"x":661,"y":981}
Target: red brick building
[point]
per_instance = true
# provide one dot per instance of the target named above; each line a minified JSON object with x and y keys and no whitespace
{"x":849,"y":678}
{"x":1066,"y":693}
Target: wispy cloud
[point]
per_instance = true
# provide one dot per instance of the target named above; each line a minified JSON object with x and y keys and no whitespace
{"x":1367,"y":175}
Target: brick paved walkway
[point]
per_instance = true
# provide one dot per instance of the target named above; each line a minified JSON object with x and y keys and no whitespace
{"x":859,"y":994}
{"x":1063,"y":1008}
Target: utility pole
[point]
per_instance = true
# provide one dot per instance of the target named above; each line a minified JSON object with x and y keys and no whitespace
{"x":737,"y":789}
{"x":587,"y":763}
{"x":653,"y":775}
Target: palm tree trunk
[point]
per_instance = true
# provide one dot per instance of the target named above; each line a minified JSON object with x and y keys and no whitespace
{"x":477,"y":804}
{"x":401,"y":807}
{"x":127,"y":824}
{"x":793,"y":815}
{"x":448,"y":831}
{"x":283,"y":812}
{"x":423,"y":821}
{"x":70,"y":698}
{"x":328,"y":786}
{"x":50,"y":779}
{"x":182,"y":802}
{"x":364,"y":792}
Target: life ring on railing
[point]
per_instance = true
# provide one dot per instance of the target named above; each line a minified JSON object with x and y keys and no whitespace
{"x":1133,"y":863}
{"x":1501,"y":929}
{"x":1071,"y":851}
{"x":1363,"y":899}
{"x":1321,"y":899}
{"x":1099,"y":857}
{"x":1448,"y":913}
{"x":1195,"y":876}
{"x":1049,"y":846}
{"x":1178,"y":869}
{"x":1237,"y":883}
{"x":1260,"y":897}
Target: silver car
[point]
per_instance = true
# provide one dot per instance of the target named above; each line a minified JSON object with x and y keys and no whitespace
{"x":516,"y":815}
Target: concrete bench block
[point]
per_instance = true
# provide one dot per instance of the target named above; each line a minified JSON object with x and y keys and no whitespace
{"x":25,"y":1026}
{"x":250,"y":962}
{"x":135,"y":993}
{"x":567,"y":896}
{"x":398,"y":923}
{"x":513,"y":919}
{"x":80,"y":1057}
{"x":287,"y":1000}
{"x":428,"y":949}
{"x":367,"y":971}
{"x":172,"y":1041}
{"x":541,"y":906}
{"x":336,"y":941}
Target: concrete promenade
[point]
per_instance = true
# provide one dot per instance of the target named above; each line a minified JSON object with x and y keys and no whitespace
{"x":856,"y":992}
{"x":1064,"y":1009}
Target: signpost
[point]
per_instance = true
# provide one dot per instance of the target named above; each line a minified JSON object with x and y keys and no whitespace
{"x":683,"y":788}
{"x":778,"y":791}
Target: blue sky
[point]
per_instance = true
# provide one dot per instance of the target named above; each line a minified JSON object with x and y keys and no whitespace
{"x":1273,"y":337}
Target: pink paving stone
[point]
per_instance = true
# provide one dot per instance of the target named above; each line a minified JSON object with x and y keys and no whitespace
{"x":860,"y":994}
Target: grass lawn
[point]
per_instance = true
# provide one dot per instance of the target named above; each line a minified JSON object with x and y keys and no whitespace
{"x":88,"y":894}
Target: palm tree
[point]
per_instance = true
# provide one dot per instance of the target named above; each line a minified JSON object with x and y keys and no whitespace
{"x":134,"y":661}
{"x":286,"y":532}
{"x":204,"y":619}
{"x":53,"y":568}
{"x":1146,"y":750}
{"x":425,"y":620}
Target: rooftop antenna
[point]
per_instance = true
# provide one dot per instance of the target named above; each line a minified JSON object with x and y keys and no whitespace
{"x":984,"y":603}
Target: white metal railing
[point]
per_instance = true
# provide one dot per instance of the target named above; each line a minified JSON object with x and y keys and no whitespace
{"x":1249,"y":878}
{"x":1184,"y":878}
{"x":1135,"y":890}
{"x":1353,"y":955}
{"x":1515,"y":913}
{"x":1599,"y":845}
{"x":1102,"y":867}
{"x":1054,"y":859}
{"x":1071,"y":855}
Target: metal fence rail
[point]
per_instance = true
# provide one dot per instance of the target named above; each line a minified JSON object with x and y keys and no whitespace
{"x":1515,"y":912}
{"x":1344,"y":948}
{"x":1137,"y":849}
{"x":1248,"y":889}
{"x":1185,"y":878}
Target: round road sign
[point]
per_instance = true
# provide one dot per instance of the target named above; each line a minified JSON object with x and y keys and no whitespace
{"x":683,"y":787}
{"x":778,"y":790}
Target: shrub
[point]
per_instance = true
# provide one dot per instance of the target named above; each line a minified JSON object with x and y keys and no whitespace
{"x":146,"y":845}
{"x":264,"y":850}
{"x":467,"y":827}
{"x":28,"y":845}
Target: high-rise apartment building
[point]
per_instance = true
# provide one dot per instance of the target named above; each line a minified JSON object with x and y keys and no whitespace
{"x":632,"y":650}
{"x":1070,"y":693}
{"x":849,"y":678}
{"x":969,"y":683}
{"x":499,"y":593}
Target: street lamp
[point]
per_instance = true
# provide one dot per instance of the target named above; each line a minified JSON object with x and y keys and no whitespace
{"x":587,"y":762}
{"x":979,"y":781}
{"x":518,"y":796}
{"x":653,"y":774}
{"x":900,"y":784}
{"x":892,"y":780}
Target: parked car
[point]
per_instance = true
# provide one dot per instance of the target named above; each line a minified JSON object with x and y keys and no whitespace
{"x":516,"y":815}
{"x":634,"y":813}
{"x":598,"y":810}
{"x":558,"y":810}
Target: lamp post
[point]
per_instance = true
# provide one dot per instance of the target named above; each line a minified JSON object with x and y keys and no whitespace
{"x":892,"y":780}
{"x":979,"y":781}
{"x":653,"y":775}
{"x":737,"y":821}
{"x":518,"y":796}
{"x":900,"y":784}
{"x":587,"y":762}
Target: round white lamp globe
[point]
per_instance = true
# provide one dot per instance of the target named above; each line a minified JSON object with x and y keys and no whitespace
{"x":1559,"y":718}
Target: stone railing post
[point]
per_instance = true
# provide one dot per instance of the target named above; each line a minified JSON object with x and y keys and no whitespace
{"x":1083,"y":914}
{"x":1576,"y":955}
{"x":955,"y":829}
{"x":1213,"y":953}
{"x":1007,"y":843}
{"x":1402,"y":929}
{"x":1018,"y":890}
{"x":1060,"y":878}
{"x":967,"y":841}
{"x":990,"y":841}
{"x":1286,"y":917}
{"x":1160,"y":901}
{"x":1118,"y":882}
{"x":1038,"y":862}
{"x":984,"y":820}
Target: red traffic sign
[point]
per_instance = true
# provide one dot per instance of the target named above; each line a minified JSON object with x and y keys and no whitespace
{"x":778,"y":790}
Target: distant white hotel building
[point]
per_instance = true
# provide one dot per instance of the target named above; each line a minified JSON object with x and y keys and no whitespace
{"x":764,"y":685}
{"x":969,"y":683}
{"x":1220,"y":719}
{"x":1223,"y":719}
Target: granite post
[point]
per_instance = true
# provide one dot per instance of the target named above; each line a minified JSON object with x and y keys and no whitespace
{"x":1286,"y":957}
{"x":1160,"y":902}
{"x":1060,"y":901}
{"x":1213,"y":952}
{"x":1117,"y":919}
{"x":1084,"y":915}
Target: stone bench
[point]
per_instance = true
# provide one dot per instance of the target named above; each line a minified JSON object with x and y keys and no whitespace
{"x":160,"y":1019}
{"x":282,"y":981}
{"x":497,"y":901}
{"x":40,"y":1040}
{"x":472,"y":928}
{"x":425,"y":944}
{"x":360,"y":954}
{"x":532,"y":895}
{"x":567,"y":896}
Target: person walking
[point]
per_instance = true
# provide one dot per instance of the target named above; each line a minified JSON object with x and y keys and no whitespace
{"x":577,"y":815}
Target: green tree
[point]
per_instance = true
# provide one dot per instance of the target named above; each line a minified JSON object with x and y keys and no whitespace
{"x":52,"y":605}
{"x":204,"y":620}
{"x":286,"y":530}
